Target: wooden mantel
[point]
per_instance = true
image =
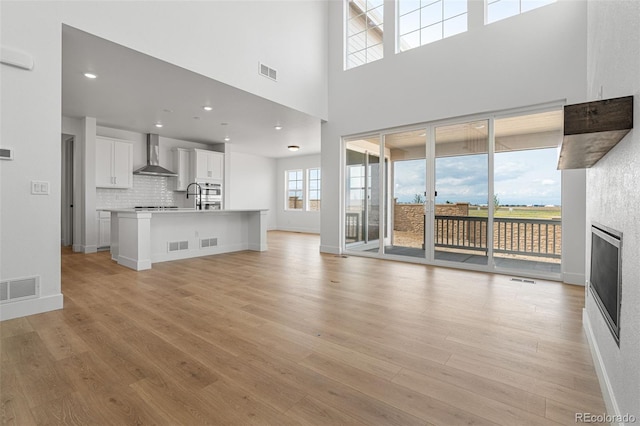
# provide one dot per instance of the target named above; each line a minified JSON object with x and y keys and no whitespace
{"x":591,"y":129}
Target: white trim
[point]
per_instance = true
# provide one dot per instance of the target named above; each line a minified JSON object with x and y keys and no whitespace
{"x":573,"y":278}
{"x":299,"y":229}
{"x":605,"y":385}
{"x":90,"y":249}
{"x":138,"y":265}
{"x":330,"y":249}
{"x":24,"y":308}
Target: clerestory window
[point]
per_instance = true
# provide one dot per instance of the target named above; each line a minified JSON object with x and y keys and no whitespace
{"x":501,"y":9}
{"x":424,"y":21}
{"x":364,"y":32}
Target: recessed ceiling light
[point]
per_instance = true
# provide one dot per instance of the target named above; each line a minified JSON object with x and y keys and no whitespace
{"x":167,"y":110}
{"x":207,"y":108}
{"x":227,"y":139}
{"x":224,"y":124}
{"x":293,"y":147}
{"x":158,"y":125}
{"x":90,"y":75}
{"x":196,"y":118}
{"x":278,"y":127}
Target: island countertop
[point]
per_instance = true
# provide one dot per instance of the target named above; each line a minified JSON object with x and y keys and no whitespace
{"x":180,"y":210}
{"x":141,"y":237}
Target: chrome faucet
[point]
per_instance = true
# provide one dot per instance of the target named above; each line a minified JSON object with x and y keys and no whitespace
{"x":198,"y":194}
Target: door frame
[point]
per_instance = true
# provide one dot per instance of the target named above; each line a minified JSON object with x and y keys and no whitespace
{"x":430,"y":187}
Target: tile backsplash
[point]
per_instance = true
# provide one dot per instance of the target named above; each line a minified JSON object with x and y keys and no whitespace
{"x":146,"y":191}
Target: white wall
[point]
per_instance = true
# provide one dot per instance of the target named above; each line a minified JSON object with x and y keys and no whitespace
{"x":193,"y":35}
{"x":613,"y":198}
{"x":530,"y":59}
{"x":294,"y":220}
{"x":31,"y":110}
{"x":224,"y":40}
{"x":251,"y":183}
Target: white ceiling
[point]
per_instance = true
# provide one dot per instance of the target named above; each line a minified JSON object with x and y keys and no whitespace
{"x":133,"y":91}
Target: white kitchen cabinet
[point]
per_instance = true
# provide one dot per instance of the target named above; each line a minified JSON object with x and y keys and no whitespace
{"x":207,"y":166}
{"x":114,"y":163}
{"x":104,"y":229}
{"x":182,"y":166}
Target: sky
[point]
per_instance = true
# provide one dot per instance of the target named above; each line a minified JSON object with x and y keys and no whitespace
{"x":520,"y":178}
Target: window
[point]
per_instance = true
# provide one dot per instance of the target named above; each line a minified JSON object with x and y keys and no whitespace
{"x":426,"y":21}
{"x":294,"y":190}
{"x":364,"y":31}
{"x":500,"y":9}
{"x":303,"y":189}
{"x":314,"y":189}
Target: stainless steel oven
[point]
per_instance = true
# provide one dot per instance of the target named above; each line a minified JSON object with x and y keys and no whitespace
{"x":211,"y":198}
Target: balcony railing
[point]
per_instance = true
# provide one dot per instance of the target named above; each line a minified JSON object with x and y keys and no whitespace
{"x":530,"y":237}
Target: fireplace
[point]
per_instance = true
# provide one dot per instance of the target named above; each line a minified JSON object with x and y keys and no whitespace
{"x":605,"y":279}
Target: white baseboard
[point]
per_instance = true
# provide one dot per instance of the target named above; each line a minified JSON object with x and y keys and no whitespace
{"x":79,"y":248}
{"x":573,"y":278}
{"x":330,"y":249}
{"x":603,"y":378}
{"x":138,"y":265}
{"x":297,"y":229}
{"x":24,"y":308}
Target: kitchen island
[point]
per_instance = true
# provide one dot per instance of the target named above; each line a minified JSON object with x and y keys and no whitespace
{"x":141,"y":238}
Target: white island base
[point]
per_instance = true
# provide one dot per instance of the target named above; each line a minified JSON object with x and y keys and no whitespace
{"x":141,"y":238}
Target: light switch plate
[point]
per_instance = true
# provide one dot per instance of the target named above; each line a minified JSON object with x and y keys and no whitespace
{"x":39,"y":187}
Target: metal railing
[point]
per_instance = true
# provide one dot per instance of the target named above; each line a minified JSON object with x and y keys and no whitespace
{"x":530,"y":237}
{"x":464,"y":232}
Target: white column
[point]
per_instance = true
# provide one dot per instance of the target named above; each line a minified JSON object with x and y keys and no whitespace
{"x":134,"y":240}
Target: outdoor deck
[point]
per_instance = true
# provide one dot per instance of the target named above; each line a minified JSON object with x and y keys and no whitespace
{"x":474,"y":259}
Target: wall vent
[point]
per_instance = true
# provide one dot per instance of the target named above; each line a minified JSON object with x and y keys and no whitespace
{"x":523,"y":280}
{"x":6,"y":154}
{"x":178,"y":245}
{"x":208,"y":242}
{"x":19,"y":289}
{"x":268,"y":72}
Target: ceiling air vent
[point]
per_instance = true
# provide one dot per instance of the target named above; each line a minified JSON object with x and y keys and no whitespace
{"x":268,"y":72}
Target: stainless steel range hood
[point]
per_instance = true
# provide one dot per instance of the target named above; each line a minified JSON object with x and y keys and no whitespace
{"x":153,"y":167}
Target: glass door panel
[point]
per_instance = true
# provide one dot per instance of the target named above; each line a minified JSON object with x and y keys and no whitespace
{"x":527,"y":219}
{"x":406,"y":182}
{"x":460,"y":214}
{"x":362,"y":193}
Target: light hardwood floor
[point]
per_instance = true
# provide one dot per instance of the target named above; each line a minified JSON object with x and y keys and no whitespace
{"x":291,"y":336}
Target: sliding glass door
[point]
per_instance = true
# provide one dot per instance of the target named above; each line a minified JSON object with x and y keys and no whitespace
{"x":363,"y":195}
{"x":460,"y":214}
{"x":480,"y":194}
{"x":406,"y":182}
{"x":527,"y":221}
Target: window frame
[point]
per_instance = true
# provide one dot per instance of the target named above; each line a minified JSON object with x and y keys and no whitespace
{"x":487,"y":3}
{"x":287,"y":197}
{"x":421,"y":28}
{"x":378,"y":25}
{"x":318,"y":190}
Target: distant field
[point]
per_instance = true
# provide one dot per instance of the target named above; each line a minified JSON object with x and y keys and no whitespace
{"x":519,"y":212}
